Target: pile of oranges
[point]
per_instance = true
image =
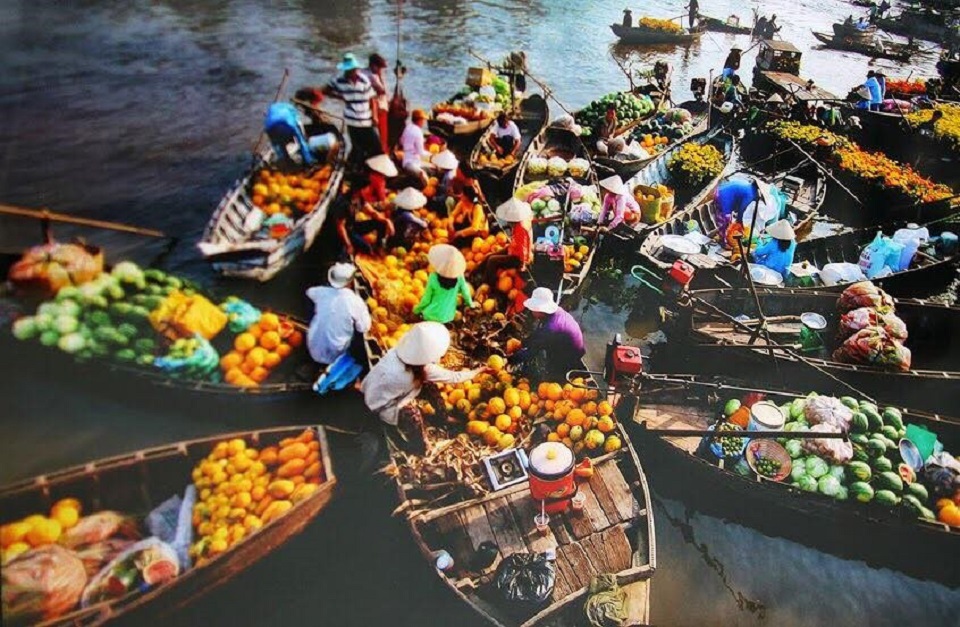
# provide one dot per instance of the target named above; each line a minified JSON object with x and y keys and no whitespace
{"x":258,"y":350}
{"x":578,"y":420}
{"x":241,"y":488}
{"x":573,"y":257}
{"x":289,"y":194}
{"x":37,"y":530}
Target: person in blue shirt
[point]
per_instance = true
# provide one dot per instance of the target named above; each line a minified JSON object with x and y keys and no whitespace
{"x":777,"y":252}
{"x":282,"y":126}
{"x":732,"y":94}
{"x":732,"y":198}
{"x":873,"y":86}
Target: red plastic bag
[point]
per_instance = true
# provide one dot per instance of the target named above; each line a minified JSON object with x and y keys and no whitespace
{"x":42,"y":584}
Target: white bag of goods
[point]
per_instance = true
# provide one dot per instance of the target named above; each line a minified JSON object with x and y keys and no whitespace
{"x":911,"y":237}
{"x":556,"y":166}
{"x":828,"y":410}
{"x":833,"y":449}
{"x":843,"y":272}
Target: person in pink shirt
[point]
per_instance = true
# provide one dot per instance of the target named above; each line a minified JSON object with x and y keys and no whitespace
{"x":616,"y":201}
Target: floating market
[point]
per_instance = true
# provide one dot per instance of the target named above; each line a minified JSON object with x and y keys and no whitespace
{"x":512,"y":314}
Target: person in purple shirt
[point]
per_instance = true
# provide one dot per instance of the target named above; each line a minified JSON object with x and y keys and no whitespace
{"x":557,"y":336}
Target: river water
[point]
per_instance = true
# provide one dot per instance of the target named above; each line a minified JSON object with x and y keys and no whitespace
{"x":146,"y":112}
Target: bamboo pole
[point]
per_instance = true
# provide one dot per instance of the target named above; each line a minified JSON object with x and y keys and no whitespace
{"x":46,"y":214}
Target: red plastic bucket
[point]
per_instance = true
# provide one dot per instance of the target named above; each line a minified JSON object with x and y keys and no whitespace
{"x":551,"y":476}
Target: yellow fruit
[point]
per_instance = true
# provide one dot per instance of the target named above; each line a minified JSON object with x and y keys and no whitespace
{"x":593,"y":439}
{"x":604,"y":408}
{"x":281,"y":488}
{"x":496,"y":406}
{"x":496,"y":362}
{"x":606,"y":424}
{"x":503,"y":422}
{"x":612,"y":444}
{"x":506,"y":441}
{"x":492,"y":436}
{"x":44,"y":532}
{"x":515,"y":412}
{"x":575,"y":417}
{"x":563,"y":429}
{"x":15,"y":549}
{"x":575,"y":433}
{"x":67,"y":515}
{"x":13,"y":533}
{"x":553,"y":437}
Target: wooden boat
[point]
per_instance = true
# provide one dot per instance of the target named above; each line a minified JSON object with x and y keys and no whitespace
{"x":460,"y":132}
{"x":717,"y":25}
{"x":533,"y":116}
{"x":933,"y":329}
{"x":805,"y":188}
{"x":626,"y":168}
{"x":614,"y":533}
{"x":231,"y":242}
{"x":657,"y":173}
{"x":777,"y":72}
{"x":137,"y":483}
{"x":640,"y":35}
{"x":927,"y":24}
{"x":868,"y":46}
{"x":559,"y":142}
{"x":883,"y":537}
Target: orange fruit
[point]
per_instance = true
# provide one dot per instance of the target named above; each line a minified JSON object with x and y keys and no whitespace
{"x":504,"y":283}
{"x":515,"y":412}
{"x":503,"y":422}
{"x":256,"y":356}
{"x":496,"y":406}
{"x":295,"y":339}
{"x":605,"y":424}
{"x":272,"y":360}
{"x":590,"y":408}
{"x":604,"y":408}
{"x":496,"y":362}
{"x":554,"y":392}
{"x":244,"y":342}
{"x":231,"y":360}
{"x":489,"y":305}
{"x":232,"y":375}
{"x":259,"y":374}
{"x":283,"y":350}
{"x":269,"y":321}
{"x":270,"y":340}
{"x":511,"y":396}
{"x":576,"y":417}
{"x":563,"y":429}
{"x":255,"y":331}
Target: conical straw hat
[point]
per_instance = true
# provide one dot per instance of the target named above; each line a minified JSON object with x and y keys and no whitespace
{"x":447,"y":261}
{"x":425,"y":343}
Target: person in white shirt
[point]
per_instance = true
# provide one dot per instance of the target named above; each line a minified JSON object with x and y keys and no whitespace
{"x":412,"y":144}
{"x":505,"y":139}
{"x":393,"y":384}
{"x":338,"y":314}
{"x":374,"y":72}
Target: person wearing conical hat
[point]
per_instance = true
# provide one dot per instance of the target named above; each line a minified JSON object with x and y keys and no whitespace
{"x":408,"y":224}
{"x":444,"y":285}
{"x":358,"y":96}
{"x":338,"y":315}
{"x":556,"y":341}
{"x":617,"y":199}
{"x":519,"y":251}
{"x":379,"y":169}
{"x":777,"y":252}
{"x":394,"y":383}
{"x":446,"y":164}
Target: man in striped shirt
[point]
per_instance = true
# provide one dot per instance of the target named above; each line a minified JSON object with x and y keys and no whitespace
{"x":357,"y":94}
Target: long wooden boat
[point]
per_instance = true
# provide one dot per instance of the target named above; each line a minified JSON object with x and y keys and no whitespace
{"x":137,"y":483}
{"x":638,"y":35}
{"x":534,"y":113}
{"x":614,"y":533}
{"x":559,"y":142}
{"x":231,"y":241}
{"x":890,"y":50}
{"x":933,"y":328}
{"x":929,"y":25}
{"x":656,"y":172}
{"x":717,"y":25}
{"x":805,"y":188}
{"x":626,"y":168}
{"x":882,"y":536}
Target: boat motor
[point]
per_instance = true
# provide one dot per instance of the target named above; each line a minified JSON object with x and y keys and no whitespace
{"x":621,"y":362}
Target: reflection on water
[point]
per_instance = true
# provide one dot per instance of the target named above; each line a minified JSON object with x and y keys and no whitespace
{"x":146,"y":112}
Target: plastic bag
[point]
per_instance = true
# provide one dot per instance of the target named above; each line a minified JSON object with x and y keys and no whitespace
{"x":99,"y":527}
{"x":42,"y":584}
{"x":182,"y":316}
{"x":606,"y":604}
{"x":834,"y":450}
{"x":874,"y":347}
{"x":865,"y":317}
{"x":150,"y":562}
{"x":95,"y":556}
{"x":864,"y":294}
{"x":874,"y":256}
{"x":911,"y":238}
{"x":827,"y":410}
{"x":843,"y":272}
{"x":526,"y":578}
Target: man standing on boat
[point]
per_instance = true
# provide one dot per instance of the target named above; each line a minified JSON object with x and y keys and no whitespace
{"x":412,"y":144}
{"x":357,"y":94}
{"x":339,"y":315}
{"x":376,"y":74}
{"x":627,"y":18}
{"x":694,"y":11}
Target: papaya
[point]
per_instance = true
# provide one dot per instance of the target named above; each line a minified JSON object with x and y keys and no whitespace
{"x":311,"y":459}
{"x":313,"y":470}
{"x":269,"y":455}
{"x":277,"y":508}
{"x":281,"y":488}
{"x":306,"y":437}
{"x":296,"y":450}
{"x":292,"y":468}
{"x":302,"y":492}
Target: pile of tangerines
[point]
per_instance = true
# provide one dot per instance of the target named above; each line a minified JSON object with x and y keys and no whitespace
{"x":259,"y":350}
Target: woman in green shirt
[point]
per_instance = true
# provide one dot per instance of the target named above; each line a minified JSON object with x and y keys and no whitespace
{"x":446,"y":282}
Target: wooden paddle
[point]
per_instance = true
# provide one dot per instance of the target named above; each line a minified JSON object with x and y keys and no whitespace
{"x":46,"y":214}
{"x":705,"y":433}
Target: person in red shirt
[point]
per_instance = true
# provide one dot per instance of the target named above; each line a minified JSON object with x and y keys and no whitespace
{"x":381,"y":168}
{"x":520,"y":249}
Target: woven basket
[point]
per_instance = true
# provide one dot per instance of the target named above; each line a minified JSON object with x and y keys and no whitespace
{"x":771,"y":450}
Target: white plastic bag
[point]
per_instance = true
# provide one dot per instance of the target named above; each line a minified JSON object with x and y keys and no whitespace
{"x":844,"y":272}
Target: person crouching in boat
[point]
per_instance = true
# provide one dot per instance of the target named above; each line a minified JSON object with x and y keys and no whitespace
{"x":414,"y":150}
{"x":519,"y":253}
{"x":282,"y":125}
{"x":444,"y":285}
{"x":777,"y":252}
{"x":380,"y":169}
{"x":556,"y":342}
{"x":340,"y":317}
{"x":407,"y":224}
{"x":447,"y":166}
{"x":606,"y":131}
{"x":391,"y":388}
{"x":616,"y":201}
{"x":505,"y":140}
{"x":732,"y":199}
{"x":467,"y":219}
{"x":353,"y":232}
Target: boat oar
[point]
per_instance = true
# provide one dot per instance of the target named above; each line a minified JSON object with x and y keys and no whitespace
{"x":825,"y":171}
{"x":707,"y":433}
{"x":47,"y":215}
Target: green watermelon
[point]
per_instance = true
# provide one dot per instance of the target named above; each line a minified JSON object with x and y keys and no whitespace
{"x":893,"y":417}
{"x":873,"y":416}
{"x":860,"y":453}
{"x":882,"y":464}
{"x":912,"y":503}
{"x":890,"y":433}
{"x":886,"y":497}
{"x":876,"y":447}
{"x":859,"y":422}
{"x":731,"y":406}
{"x":861,"y":491}
{"x":849,"y":401}
{"x":927,"y":514}
{"x":889,"y":481}
{"x":796,"y":408}
{"x":919,"y":491}
{"x":858,"y":471}
{"x":859,"y":438}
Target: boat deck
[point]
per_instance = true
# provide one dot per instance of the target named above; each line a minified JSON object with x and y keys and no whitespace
{"x":675,"y":417}
{"x":594,"y":540}
{"x":796,"y":86}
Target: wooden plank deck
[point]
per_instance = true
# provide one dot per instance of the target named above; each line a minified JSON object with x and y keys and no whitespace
{"x":675,"y":417}
{"x":587,"y":542}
